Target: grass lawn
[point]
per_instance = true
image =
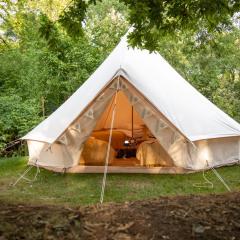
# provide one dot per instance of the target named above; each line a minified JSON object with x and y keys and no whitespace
{"x":82,"y":189}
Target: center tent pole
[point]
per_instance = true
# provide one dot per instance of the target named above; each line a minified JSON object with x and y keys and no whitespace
{"x":109,"y":144}
{"x":132,"y":122}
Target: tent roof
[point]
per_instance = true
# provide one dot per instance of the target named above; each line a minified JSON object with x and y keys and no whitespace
{"x":189,"y":111}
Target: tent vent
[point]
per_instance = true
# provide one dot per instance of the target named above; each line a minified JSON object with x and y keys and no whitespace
{"x":114,"y":86}
{"x":133,"y":100}
{"x":122,"y":85}
{"x":90,"y":114}
{"x":63,"y":140}
{"x":77,"y":128}
{"x":146,"y":113}
{"x":159,"y":125}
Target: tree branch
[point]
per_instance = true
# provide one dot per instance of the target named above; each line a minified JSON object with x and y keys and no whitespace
{"x":4,"y":41}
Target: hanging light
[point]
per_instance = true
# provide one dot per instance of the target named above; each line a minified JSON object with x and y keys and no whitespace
{"x":130,"y":141}
{"x":126,"y":143}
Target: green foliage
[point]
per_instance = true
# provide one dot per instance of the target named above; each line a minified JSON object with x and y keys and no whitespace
{"x":152,"y":19}
{"x":41,"y":65}
{"x":16,"y":117}
{"x":105,"y":28}
{"x":73,"y":17}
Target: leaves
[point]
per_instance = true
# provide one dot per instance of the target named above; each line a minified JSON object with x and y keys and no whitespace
{"x":152,"y":19}
{"x":73,"y":17}
{"x":43,"y":66}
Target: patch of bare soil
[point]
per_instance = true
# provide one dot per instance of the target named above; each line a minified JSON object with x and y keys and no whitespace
{"x":189,"y":217}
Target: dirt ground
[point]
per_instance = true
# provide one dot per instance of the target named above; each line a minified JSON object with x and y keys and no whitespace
{"x":189,"y":217}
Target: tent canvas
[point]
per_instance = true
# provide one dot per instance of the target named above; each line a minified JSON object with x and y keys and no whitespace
{"x":191,"y":129}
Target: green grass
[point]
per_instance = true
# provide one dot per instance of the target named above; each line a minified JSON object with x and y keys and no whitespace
{"x":82,"y":189}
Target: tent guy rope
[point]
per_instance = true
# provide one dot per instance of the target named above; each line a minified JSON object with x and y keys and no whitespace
{"x":22,"y":176}
{"x":221,"y":179}
{"x":208,"y":183}
{"x":109,"y":145}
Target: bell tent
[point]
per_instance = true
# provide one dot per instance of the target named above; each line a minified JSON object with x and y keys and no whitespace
{"x":135,"y":113}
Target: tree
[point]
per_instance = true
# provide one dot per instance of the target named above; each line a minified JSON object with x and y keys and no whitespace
{"x":152,"y":19}
{"x":41,"y":66}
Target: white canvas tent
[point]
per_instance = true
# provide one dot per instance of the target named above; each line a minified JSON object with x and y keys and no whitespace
{"x":188,"y":127}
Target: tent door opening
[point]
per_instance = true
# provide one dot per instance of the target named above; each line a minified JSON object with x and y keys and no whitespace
{"x":132,"y":142}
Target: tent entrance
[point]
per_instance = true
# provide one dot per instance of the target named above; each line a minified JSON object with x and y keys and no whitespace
{"x":145,"y":150}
